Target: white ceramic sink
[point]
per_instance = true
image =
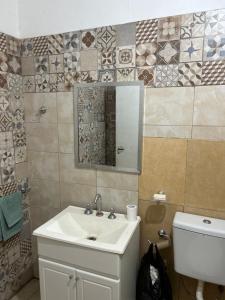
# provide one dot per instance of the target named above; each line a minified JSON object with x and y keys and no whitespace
{"x":74,"y":227}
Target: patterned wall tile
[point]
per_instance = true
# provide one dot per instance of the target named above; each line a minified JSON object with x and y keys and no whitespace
{"x":13,"y":46}
{"x":146,"y":54}
{"x":166,"y":75}
{"x":28,"y":84}
{"x":106,"y":75}
{"x":168,"y":52}
{"x":3,"y":81}
{"x":106,"y":37}
{"x":20,"y":154}
{"x":147,"y":75}
{"x":214,"y":47}
{"x":191,"y":50}
{"x":27,"y":47}
{"x":7,"y":163}
{"x":27,"y":64}
{"x":126,"y":74}
{"x":4,"y":101}
{"x":70,"y":79}
{"x":125,"y":57}
{"x":72,"y":61}
{"x":213,"y":72}
{"x":6,"y":120}
{"x":168,"y":29}
{"x":6,"y":140}
{"x":57,"y":82}
{"x":15,"y":84}
{"x":19,"y":137}
{"x":88,"y":39}
{"x":8,"y":189}
{"x":192,"y":25}
{"x":190,"y":74}
{"x":215,"y":22}
{"x":146,"y":31}
{"x":89,"y":76}
{"x":55,"y":44}
{"x":71,"y":41}
{"x":40,"y":46}
{"x":3,"y":62}
{"x":56,"y":63}
{"x":107,"y":58}
{"x":14,"y":64}
{"x":3,"y":42}
{"x":41,"y":64}
{"x":42,"y":83}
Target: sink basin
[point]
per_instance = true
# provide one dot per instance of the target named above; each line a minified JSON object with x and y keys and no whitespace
{"x":74,"y":227}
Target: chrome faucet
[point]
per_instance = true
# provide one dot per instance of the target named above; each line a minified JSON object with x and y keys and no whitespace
{"x":98,"y":202}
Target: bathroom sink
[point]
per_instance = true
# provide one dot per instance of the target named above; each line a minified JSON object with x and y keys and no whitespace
{"x":74,"y":227}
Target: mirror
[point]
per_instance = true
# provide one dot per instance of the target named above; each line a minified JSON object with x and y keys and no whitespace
{"x":108,"y":125}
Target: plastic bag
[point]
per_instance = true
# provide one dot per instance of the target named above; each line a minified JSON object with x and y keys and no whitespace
{"x":153,"y":282}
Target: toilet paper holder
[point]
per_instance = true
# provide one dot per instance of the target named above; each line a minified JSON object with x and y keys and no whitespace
{"x":164,"y":241}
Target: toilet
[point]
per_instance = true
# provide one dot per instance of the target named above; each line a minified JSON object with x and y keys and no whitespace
{"x":199,"y":249}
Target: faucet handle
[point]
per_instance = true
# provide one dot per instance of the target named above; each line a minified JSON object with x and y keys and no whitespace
{"x":112,"y":215}
{"x":88,"y":210}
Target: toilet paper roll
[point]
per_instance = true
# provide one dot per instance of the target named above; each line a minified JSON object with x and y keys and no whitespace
{"x":131,"y":212}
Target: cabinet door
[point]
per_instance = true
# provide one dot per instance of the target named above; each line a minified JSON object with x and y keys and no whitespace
{"x":57,"y":281}
{"x":94,"y":287}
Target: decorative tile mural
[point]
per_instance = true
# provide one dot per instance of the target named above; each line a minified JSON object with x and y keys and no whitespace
{"x":170,"y":51}
{"x":15,"y":254}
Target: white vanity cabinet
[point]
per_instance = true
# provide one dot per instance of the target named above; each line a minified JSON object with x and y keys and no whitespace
{"x":58,"y":281}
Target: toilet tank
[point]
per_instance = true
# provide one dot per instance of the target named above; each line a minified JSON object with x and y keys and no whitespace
{"x":199,"y":247}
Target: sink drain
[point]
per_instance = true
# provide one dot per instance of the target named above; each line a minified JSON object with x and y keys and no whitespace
{"x":92,"y":238}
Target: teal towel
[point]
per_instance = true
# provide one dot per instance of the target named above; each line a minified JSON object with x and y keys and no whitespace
{"x":11,"y":215}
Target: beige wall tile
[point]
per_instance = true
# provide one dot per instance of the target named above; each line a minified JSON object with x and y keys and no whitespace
{"x":164,"y":168}
{"x":21,"y":170}
{"x":65,"y":107}
{"x":209,"y":106}
{"x":70,"y":174}
{"x":153,"y":218}
{"x":169,"y":106}
{"x":205,"y":212}
{"x":27,"y":64}
{"x":43,"y":165}
{"x":44,"y":193}
{"x":208,"y":133}
{"x":89,"y":60}
{"x":33,"y":102}
{"x":76,"y":194}
{"x":40,"y":215}
{"x":117,"y":199}
{"x":205,"y":174}
{"x":66,"y":138}
{"x":42,"y":137}
{"x":117,"y":180}
{"x":167,"y":131}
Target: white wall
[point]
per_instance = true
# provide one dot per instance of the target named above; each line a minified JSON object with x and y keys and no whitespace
{"x":9,"y":21}
{"x":40,"y":17}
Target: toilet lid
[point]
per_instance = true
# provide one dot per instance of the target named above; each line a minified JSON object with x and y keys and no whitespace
{"x":200,"y":224}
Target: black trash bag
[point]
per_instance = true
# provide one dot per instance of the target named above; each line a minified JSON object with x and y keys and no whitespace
{"x":153,"y":282}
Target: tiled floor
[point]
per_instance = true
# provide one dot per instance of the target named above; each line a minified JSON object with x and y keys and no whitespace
{"x":29,"y":292}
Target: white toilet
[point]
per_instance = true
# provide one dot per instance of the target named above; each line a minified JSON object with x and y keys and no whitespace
{"x":199,"y":249}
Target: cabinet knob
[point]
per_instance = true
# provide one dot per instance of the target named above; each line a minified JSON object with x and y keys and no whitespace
{"x":70,"y":277}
